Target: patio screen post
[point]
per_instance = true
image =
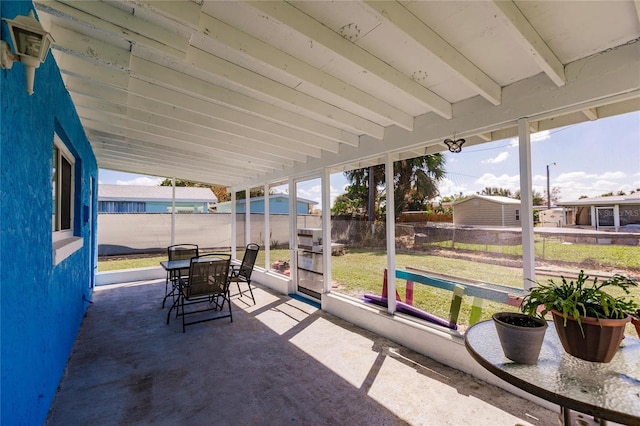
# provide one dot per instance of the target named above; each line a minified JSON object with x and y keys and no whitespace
{"x":233,"y":224}
{"x":391,"y":235}
{"x":247,"y":216}
{"x":267,"y":228}
{"x":173,"y":211}
{"x":326,"y":229}
{"x":293,"y":237}
{"x":526,"y":204}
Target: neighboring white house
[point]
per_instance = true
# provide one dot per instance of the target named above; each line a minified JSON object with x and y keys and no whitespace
{"x":551,"y":218}
{"x":487,"y":210}
{"x":153,"y":199}
{"x":278,"y":204}
{"x":620,"y":212}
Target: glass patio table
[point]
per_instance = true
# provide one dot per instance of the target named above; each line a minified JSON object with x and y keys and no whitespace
{"x":173,"y":266}
{"x":606,"y":391}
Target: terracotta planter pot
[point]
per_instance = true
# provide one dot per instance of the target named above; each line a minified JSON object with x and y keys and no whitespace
{"x":601,"y":338}
{"x":519,"y":343}
{"x":636,"y":323}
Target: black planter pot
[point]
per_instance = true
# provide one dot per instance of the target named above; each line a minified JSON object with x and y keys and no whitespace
{"x":520,"y":335}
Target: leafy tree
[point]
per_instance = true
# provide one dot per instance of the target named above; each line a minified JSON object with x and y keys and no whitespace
{"x":167,"y":182}
{"x":537,"y":198}
{"x":608,"y":194}
{"x":415,"y":181}
{"x":219,"y":191}
{"x":453,"y":198}
{"x":502,"y":192}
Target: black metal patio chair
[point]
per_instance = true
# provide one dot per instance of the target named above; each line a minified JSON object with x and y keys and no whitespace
{"x":177,"y":252}
{"x":242,"y":273}
{"x":206,"y":290}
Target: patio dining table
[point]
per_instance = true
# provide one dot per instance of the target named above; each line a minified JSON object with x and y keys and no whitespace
{"x":606,"y":391}
{"x":173,"y":266}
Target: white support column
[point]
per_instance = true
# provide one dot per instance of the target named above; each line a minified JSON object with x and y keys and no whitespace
{"x":173,"y":211}
{"x":326,"y":229}
{"x":267,"y":229}
{"x":234,"y":224}
{"x":616,"y":217}
{"x":594,"y":218}
{"x":526,"y":200}
{"x":293,"y":237}
{"x":247,"y":216}
{"x":391,"y":236}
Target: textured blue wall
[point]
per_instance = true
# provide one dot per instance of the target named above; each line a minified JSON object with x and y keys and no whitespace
{"x":42,"y":306}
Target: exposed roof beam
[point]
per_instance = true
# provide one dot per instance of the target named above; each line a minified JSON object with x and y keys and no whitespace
{"x":212,"y":159}
{"x":114,"y":22}
{"x":526,"y":35}
{"x":138,"y":152}
{"x":179,"y":104}
{"x":304,"y":24}
{"x":138,"y":119}
{"x":146,"y":133}
{"x":273,"y":57}
{"x":160,"y":170}
{"x":485,"y":136}
{"x":285,"y":96}
{"x":177,"y":80}
{"x":591,"y":113}
{"x":90,"y":49}
{"x":600,"y":77}
{"x":464,"y":69}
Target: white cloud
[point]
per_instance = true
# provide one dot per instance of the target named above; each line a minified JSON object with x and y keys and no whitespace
{"x":503,"y":156}
{"x":575,"y":184}
{"x":540,"y":136}
{"x":535,"y":137}
{"x":447,"y":187}
{"x":503,"y":181}
{"x":142,"y":180}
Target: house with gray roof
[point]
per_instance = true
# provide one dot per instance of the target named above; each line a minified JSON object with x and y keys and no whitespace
{"x":153,"y":199}
{"x":618,"y":213}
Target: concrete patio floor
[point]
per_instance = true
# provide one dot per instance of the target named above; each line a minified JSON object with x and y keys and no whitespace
{"x":279,"y":362}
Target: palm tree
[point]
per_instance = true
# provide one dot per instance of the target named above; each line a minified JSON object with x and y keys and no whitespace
{"x":415,"y":181}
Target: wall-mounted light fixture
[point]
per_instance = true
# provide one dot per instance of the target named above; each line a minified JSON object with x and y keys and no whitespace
{"x":31,"y":42}
{"x":454,"y":145}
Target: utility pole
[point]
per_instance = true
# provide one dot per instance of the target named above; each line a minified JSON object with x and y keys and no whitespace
{"x":549,"y":187}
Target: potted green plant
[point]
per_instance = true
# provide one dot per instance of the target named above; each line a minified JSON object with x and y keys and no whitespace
{"x":520,"y":335}
{"x":590,"y":321}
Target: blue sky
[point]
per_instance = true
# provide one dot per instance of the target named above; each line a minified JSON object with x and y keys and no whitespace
{"x":591,"y":159}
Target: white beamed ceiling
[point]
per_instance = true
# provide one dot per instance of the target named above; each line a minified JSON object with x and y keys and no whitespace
{"x":243,"y":93}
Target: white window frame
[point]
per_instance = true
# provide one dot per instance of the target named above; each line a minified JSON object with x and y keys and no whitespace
{"x":64,"y":241}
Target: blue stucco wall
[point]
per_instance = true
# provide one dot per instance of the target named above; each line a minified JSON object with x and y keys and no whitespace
{"x":42,"y":305}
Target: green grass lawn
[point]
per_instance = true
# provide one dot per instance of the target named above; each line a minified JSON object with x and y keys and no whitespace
{"x":361,"y":271}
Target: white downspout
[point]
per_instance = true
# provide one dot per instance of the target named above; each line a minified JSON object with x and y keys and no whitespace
{"x":526,"y":201}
